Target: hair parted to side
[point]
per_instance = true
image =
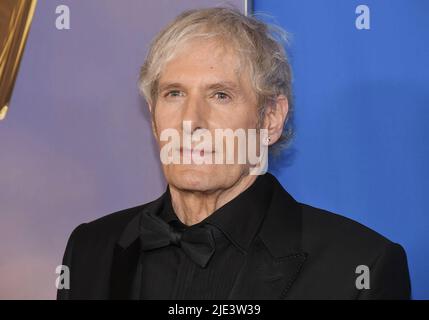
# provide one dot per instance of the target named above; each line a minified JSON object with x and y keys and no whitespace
{"x":260,"y":46}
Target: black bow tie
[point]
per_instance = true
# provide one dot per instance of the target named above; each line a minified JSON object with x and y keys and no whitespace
{"x":198,"y":243}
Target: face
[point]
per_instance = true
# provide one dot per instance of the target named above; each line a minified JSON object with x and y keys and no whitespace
{"x":201,"y":85}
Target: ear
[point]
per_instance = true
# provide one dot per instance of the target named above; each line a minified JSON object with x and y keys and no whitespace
{"x":275,"y":117}
{"x":149,"y":107}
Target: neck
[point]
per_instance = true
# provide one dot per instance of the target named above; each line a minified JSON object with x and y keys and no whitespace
{"x":191,"y":207}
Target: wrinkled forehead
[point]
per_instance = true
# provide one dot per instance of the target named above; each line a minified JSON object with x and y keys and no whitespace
{"x":213,"y":54}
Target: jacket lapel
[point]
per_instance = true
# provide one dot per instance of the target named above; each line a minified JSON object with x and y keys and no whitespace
{"x":276,"y":256}
{"x":125,"y":276}
{"x":266,"y":277}
{"x":272,"y":265}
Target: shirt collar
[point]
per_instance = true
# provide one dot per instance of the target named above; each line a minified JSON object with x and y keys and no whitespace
{"x":239,"y":219}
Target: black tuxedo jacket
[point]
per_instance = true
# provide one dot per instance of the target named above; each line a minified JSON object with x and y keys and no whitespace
{"x":300,"y":252}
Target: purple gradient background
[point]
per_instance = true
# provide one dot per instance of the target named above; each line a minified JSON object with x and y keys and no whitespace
{"x":76,"y":144}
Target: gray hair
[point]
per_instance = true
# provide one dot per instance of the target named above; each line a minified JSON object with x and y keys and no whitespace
{"x":259,"y":44}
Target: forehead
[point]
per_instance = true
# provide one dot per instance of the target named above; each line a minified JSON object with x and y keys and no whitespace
{"x":200,"y":59}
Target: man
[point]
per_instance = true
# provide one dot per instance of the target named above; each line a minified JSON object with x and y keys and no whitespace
{"x":220,"y":231}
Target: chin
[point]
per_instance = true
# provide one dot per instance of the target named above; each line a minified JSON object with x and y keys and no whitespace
{"x":191,"y":177}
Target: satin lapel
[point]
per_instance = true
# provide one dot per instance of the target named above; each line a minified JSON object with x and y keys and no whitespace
{"x":265,"y":277}
{"x":125,"y":277}
{"x":276,"y":257}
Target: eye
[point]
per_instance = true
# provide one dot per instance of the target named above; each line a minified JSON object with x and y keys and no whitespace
{"x":222,"y":96}
{"x":173,"y":93}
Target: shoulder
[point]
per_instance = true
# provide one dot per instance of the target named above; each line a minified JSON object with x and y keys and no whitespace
{"x":325,"y":231}
{"x":109,"y":227}
{"x":338,"y":246}
{"x":332,"y":225}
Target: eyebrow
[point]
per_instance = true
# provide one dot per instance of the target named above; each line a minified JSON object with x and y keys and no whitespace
{"x":212,"y":86}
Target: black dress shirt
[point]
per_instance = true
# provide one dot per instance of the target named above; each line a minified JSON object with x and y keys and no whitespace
{"x":168,"y":273}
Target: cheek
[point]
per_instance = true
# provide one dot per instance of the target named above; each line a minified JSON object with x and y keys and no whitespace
{"x":252,"y":119}
{"x":161,"y":119}
{"x":247,"y":119}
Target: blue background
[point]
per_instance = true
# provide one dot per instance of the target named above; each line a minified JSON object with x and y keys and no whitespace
{"x":362,"y":109}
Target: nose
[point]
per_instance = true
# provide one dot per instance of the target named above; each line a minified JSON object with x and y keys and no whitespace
{"x":195,"y":113}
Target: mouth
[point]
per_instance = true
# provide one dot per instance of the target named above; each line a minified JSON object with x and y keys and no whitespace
{"x":190,"y":152}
